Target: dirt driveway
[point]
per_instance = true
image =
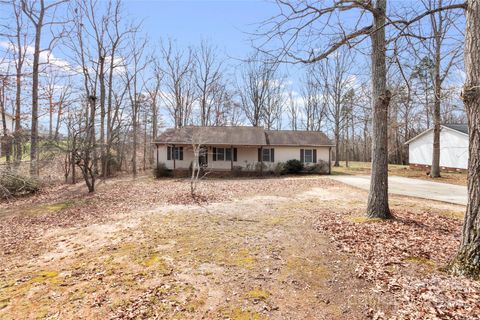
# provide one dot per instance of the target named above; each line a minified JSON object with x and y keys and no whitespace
{"x":413,"y":187}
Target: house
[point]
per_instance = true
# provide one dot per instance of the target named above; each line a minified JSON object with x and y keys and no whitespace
{"x":453,"y":148}
{"x":240,"y":147}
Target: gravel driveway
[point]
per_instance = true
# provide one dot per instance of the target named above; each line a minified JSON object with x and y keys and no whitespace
{"x":413,"y":187}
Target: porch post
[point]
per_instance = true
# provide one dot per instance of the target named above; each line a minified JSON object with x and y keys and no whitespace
{"x":261,"y":160}
{"x":173,"y":156}
{"x":329,"y":160}
{"x":231,"y":158}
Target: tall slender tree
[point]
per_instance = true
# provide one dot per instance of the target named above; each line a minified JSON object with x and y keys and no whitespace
{"x":37,"y":12}
{"x":467,"y":260}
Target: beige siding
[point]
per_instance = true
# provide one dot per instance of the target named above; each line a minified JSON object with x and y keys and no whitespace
{"x":283,"y":154}
{"x":247,"y":157}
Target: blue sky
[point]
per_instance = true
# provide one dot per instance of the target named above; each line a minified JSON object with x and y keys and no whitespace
{"x":224,"y":23}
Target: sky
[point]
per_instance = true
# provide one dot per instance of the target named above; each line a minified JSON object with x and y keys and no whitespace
{"x":224,"y":23}
{"x":228,"y":25}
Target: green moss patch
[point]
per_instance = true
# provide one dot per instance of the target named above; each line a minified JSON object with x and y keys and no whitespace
{"x":421,"y":261}
{"x":49,"y":208}
{"x":241,"y":314}
{"x":258,"y":294}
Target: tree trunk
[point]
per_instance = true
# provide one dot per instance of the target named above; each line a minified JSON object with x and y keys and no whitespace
{"x":378,"y":196}
{"x":467,"y":260}
{"x":101,"y":78}
{"x":59,"y":117}
{"x":337,"y":147}
{"x":35,"y":75}
{"x":6,"y":138}
{"x":437,"y":83}
{"x":50,"y":117}
{"x":18,"y":95}
{"x":135,"y":135}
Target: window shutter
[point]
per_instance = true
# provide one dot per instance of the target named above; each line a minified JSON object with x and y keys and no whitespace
{"x":234,"y":154}
{"x":169,"y":153}
{"x":314,"y":155}
{"x":301,"y":156}
{"x":259,"y":154}
{"x":214,"y":154}
{"x":272,"y":155}
{"x":181,"y":153}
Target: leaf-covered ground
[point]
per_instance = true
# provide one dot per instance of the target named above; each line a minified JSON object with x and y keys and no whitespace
{"x":291,"y":248}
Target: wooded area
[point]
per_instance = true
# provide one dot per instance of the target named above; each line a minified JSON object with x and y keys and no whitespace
{"x":84,"y":89}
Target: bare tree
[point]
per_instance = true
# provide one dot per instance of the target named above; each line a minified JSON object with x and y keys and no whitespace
{"x":56,"y":91}
{"x":207,"y":79}
{"x":180,"y":90}
{"x":334,"y":76}
{"x":441,"y":22}
{"x":36,"y":11}
{"x":254,"y":88}
{"x":293,"y":111}
{"x":19,"y":41}
{"x":274,"y":104}
{"x":315,"y":100}
{"x":6,"y":136}
{"x":135,"y":65}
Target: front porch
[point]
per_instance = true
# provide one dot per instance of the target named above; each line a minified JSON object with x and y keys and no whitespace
{"x":214,"y":157}
{"x":255,"y":159}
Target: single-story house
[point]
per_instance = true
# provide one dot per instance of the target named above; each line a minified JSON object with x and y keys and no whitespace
{"x":230,"y":147}
{"x":453,"y":148}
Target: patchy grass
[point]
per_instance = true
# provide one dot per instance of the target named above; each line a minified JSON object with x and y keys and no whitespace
{"x":425,"y":262}
{"x":258,"y":294}
{"x":50,"y":208}
{"x":241,"y":314}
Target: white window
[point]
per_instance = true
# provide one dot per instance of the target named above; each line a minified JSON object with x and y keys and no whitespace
{"x":268,"y":155}
{"x":175,"y":153}
{"x":220,"y":154}
{"x":308,"y":155}
{"x":224,"y":154}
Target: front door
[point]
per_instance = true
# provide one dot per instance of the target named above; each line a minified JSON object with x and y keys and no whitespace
{"x":203,"y":157}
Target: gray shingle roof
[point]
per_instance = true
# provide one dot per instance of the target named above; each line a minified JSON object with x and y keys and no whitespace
{"x":214,"y":135}
{"x":242,"y":135}
{"x":458,"y":127}
{"x":297,"y":138}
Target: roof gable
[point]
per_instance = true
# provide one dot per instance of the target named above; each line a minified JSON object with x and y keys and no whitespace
{"x":462,"y":128}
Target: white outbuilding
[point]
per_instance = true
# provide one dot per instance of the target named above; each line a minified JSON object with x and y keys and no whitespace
{"x":453,"y":148}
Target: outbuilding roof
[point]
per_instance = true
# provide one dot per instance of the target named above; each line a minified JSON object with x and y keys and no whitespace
{"x":243,"y":136}
{"x":459,"y":127}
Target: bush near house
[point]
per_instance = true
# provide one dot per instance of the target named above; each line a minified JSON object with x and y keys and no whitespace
{"x":161,"y":171}
{"x":293,"y":166}
{"x":319,"y":168}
